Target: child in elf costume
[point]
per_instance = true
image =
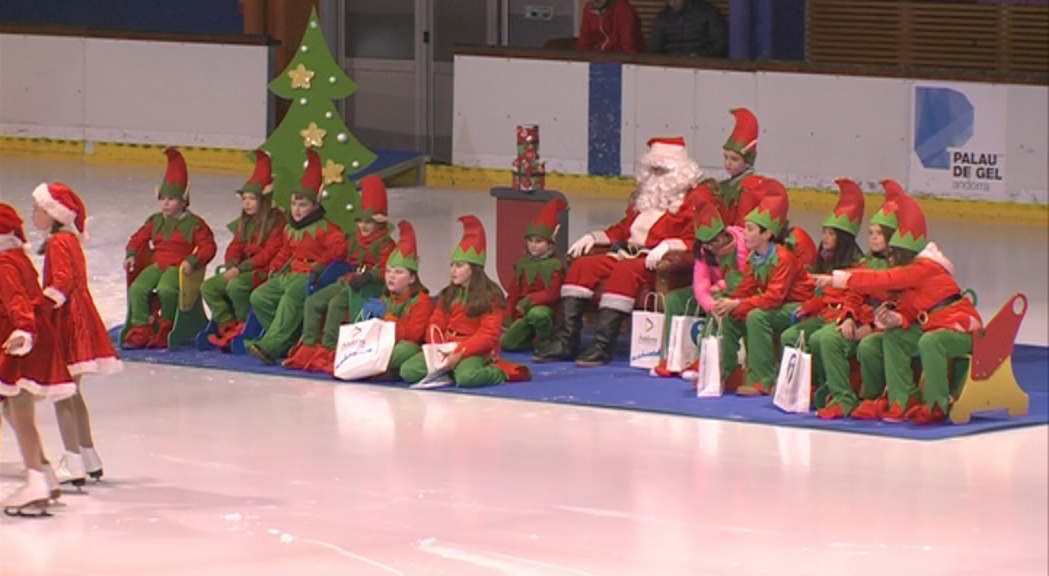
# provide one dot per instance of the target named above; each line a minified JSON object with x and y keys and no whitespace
{"x":85,"y":341}
{"x":32,"y":365}
{"x":740,"y":152}
{"x":720,"y":259}
{"x":310,"y":243}
{"x":340,"y":302}
{"x":931,"y":320}
{"x":406,"y":301}
{"x":179,"y":240}
{"x":470,"y":312}
{"x":761,"y":307}
{"x":257,"y":237}
{"x":839,"y":251}
{"x":833,"y":345}
{"x":533,"y":298}
{"x":795,"y":238}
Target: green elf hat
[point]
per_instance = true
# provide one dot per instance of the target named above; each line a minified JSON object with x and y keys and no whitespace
{"x":848,"y":214}
{"x":373,"y":199}
{"x":471,"y":248}
{"x":405,"y":254}
{"x":261,"y":181}
{"x":744,"y":137}
{"x":310,"y":185}
{"x":545,"y":224}
{"x":911,"y":233}
{"x":886,"y":215}
{"x":771,"y":212}
{"x":176,"y":179}
{"x":705,"y":215}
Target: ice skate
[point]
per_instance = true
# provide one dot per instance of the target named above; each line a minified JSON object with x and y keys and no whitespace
{"x":92,"y":463}
{"x":53,"y":485}
{"x":71,"y":470}
{"x":31,"y":499}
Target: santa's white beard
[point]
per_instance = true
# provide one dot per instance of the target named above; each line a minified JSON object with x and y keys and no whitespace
{"x":665,"y":192}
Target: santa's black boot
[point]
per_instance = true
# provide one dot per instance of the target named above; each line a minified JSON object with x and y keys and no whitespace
{"x":600,"y":351}
{"x":565,"y":343}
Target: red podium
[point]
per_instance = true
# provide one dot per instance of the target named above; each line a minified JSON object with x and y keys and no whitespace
{"x":514,"y":211}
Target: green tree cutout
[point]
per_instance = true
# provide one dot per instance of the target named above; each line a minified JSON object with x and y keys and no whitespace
{"x":313,"y":81}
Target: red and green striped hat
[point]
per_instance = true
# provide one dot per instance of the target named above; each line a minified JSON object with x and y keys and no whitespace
{"x":472,"y":247}
{"x":706,"y":217}
{"x":773,"y":208}
{"x":373,"y":199}
{"x":405,"y":255}
{"x":886,"y":215}
{"x":744,"y":137}
{"x":176,"y":178}
{"x":261,"y":181}
{"x":912,"y":233}
{"x":545,"y":224}
{"x":848,"y":214}
{"x":312,"y":177}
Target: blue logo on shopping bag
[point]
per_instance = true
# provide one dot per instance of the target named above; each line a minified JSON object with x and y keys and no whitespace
{"x":697,"y":329}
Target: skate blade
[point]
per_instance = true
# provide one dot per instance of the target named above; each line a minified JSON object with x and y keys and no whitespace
{"x":96,"y":475}
{"x":37,"y":509}
{"x":78,"y":483}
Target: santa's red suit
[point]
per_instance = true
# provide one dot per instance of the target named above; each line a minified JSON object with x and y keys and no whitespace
{"x":657,"y":221}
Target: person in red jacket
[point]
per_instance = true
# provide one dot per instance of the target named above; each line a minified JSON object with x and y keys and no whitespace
{"x":772,"y":289}
{"x":740,"y":151}
{"x":931,"y":320}
{"x":796,"y":239}
{"x":609,"y":26}
{"x":179,"y":240}
{"x":31,"y":362}
{"x":469,"y":312}
{"x":310,"y":243}
{"x":535,"y":295}
{"x":406,"y":301}
{"x":86,"y":345}
{"x":256,"y":239}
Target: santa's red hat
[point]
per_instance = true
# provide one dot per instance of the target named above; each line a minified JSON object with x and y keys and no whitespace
{"x":373,"y":199}
{"x":669,"y":148}
{"x":11,"y":234}
{"x":61,"y":204}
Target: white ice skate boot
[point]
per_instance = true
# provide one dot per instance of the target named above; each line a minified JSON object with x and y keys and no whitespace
{"x":71,"y":470}
{"x":31,"y":499}
{"x":53,"y":487}
{"x":92,"y":463}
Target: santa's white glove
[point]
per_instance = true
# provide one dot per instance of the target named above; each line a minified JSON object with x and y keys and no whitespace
{"x":19,"y":343}
{"x":656,"y":254}
{"x":582,"y":246}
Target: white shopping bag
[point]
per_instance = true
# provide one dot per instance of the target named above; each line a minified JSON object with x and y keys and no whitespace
{"x":683,"y":340}
{"x":709,"y":384}
{"x":794,"y":382}
{"x":364,"y":349}
{"x":436,"y":354}
{"x":646,"y":334}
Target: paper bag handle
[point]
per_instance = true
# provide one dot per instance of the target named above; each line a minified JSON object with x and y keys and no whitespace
{"x":440,"y":333}
{"x":656,"y":297}
{"x":710,"y":322}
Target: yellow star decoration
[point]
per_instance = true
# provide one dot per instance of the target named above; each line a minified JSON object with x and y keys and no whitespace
{"x":332,"y":173}
{"x":313,"y":136}
{"x":300,"y":77}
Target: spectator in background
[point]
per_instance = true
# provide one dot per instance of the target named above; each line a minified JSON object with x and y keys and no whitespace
{"x":609,"y":26}
{"x":690,"y":27}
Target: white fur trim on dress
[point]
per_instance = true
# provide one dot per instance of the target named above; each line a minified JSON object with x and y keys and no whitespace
{"x":27,"y":344}
{"x":617,"y":302}
{"x":601,"y":238}
{"x":576,"y":291}
{"x":55,"y":295}
{"x":98,"y":367}
{"x":51,"y":392}
{"x":932,"y":252}
{"x":54,"y":208}
{"x":840,"y":279}
{"x":10,"y":242}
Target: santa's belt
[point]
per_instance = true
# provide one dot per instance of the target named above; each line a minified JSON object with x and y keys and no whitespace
{"x":923,"y":316}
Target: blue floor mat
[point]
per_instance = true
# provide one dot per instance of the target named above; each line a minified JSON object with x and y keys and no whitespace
{"x":619,"y":386}
{"x":385,"y":159}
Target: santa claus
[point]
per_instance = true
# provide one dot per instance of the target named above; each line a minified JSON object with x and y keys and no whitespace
{"x":658,"y":219}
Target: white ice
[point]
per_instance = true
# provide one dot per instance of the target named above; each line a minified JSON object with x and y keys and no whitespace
{"x":235,"y":474}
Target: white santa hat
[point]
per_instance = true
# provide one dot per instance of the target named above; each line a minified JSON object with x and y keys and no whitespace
{"x":63,"y":205}
{"x":667,"y":148}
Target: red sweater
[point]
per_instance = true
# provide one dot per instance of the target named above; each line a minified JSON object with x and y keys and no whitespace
{"x":476,"y":336}
{"x":317,"y":244}
{"x":783,"y":284}
{"x":537,"y":292}
{"x":256,"y":252}
{"x":186,"y":238}
{"x":614,"y":29}
{"x":411,"y":313}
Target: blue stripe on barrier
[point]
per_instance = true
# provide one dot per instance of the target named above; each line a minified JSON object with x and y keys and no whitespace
{"x":606,"y":117}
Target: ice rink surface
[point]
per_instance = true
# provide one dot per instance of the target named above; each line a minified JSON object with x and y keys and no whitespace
{"x":229,"y":474}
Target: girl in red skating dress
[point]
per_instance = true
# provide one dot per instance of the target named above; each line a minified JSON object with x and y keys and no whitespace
{"x":31,"y":363}
{"x":88,"y":349}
